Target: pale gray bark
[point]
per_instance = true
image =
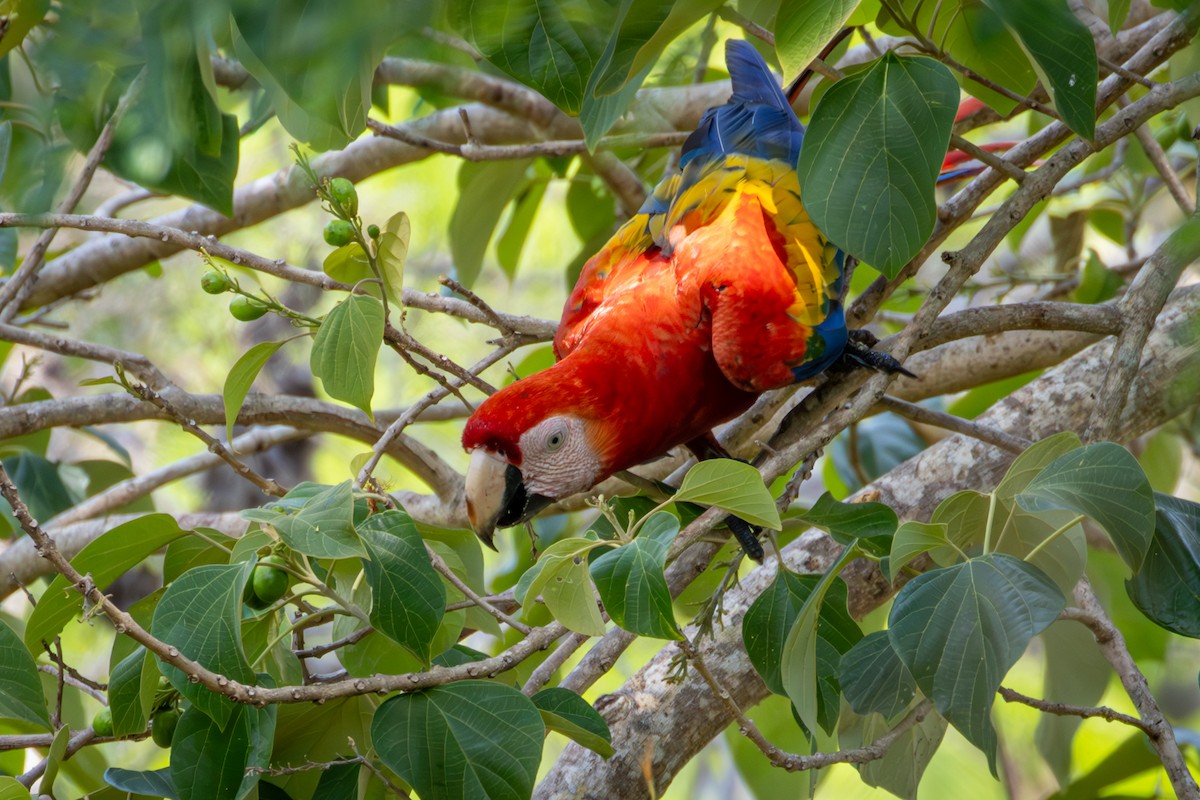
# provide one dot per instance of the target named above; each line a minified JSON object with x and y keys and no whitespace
{"x":673,"y":721}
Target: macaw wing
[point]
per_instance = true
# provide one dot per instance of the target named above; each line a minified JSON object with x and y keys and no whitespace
{"x":603,"y":274}
{"x":770,"y":279}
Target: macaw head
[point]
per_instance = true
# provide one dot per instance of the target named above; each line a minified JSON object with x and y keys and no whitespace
{"x":532,"y":443}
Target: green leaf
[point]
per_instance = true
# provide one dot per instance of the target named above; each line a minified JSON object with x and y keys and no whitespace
{"x":552,"y":47}
{"x":40,"y":484}
{"x":106,"y":558}
{"x":131,"y":687}
{"x":1035,"y":458}
{"x":900,"y":769}
{"x":566,"y":712}
{"x":823,"y":631}
{"x":562,"y":579}
{"x":960,"y":629}
{"x":309,"y":732}
{"x":512,"y":241}
{"x":348,"y":264}
{"x":24,"y":16}
{"x":631,"y":582}
{"x":965,"y":516}
{"x":199,"y":615}
{"x":1063,"y":558}
{"x":872,"y":155}
{"x":873,"y":677}
{"x":872,"y":524}
{"x":324,"y":525}
{"x":601,"y":111}
{"x":484,"y":191}
{"x":1167,"y":586}
{"x":803,"y":29}
{"x":911,"y":540}
{"x":408,"y":598}
{"x":1118,"y":10}
{"x":1076,"y":674}
{"x":344,"y":352}
{"x":1105,"y":482}
{"x":772,"y":617}
{"x":210,"y":761}
{"x":323,"y":100}
{"x":1063,"y":53}
{"x":153,"y":784}
{"x":393,"y":253}
{"x":20,"y":687}
{"x":734,"y":486}
{"x":187,"y":171}
{"x":468,"y":739}
{"x":241,"y":377}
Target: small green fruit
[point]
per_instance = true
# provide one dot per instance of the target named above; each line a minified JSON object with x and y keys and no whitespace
{"x":102,"y":723}
{"x":343,"y":193}
{"x":215,"y":282}
{"x":373,"y":231}
{"x":268,"y":583}
{"x":246,"y":309}
{"x":162,"y":726}
{"x":338,"y":232}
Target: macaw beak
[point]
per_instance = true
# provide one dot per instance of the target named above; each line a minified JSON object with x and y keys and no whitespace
{"x":496,"y":495}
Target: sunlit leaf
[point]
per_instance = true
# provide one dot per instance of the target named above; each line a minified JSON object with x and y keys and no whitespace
{"x":393,"y":253}
{"x":241,"y":378}
{"x":803,"y":29}
{"x":344,"y":352}
{"x":324,"y":525}
{"x":732,"y":485}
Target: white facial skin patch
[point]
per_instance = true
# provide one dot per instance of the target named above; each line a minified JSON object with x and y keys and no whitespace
{"x":557,"y":460}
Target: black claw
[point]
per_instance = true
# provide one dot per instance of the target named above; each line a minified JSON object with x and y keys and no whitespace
{"x":747,"y":536}
{"x":859,"y":353}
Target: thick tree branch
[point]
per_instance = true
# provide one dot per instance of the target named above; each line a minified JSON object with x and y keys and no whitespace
{"x":647,"y":710}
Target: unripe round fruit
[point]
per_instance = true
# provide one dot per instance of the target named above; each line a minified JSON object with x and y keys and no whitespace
{"x":215,"y":282}
{"x":102,"y":723}
{"x":344,"y":194}
{"x":338,"y":232}
{"x":162,"y":726}
{"x":267,"y":582}
{"x":246,"y":309}
{"x":373,"y":231}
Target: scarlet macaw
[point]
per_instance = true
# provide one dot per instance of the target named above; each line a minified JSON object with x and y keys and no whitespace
{"x":717,"y":290}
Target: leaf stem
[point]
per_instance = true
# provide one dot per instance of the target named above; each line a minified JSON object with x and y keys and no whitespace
{"x":987,"y":531}
{"x":1042,"y":545}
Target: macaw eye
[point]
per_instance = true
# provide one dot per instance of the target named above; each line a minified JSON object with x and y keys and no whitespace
{"x":555,"y":440}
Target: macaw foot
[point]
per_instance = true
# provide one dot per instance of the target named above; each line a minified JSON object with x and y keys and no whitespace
{"x":747,"y":536}
{"x":707,"y":446}
{"x":858,"y":353}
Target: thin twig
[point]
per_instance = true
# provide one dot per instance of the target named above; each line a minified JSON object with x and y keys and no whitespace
{"x":268,"y":485}
{"x":545,"y":670}
{"x":1067,"y":710}
{"x":940,"y":419}
{"x":191,"y":241}
{"x":987,"y":157}
{"x":790,"y":761}
{"x":72,"y":678}
{"x":19,"y":286}
{"x":458,"y":583}
{"x":1112,"y":645}
{"x":1161,"y":163}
